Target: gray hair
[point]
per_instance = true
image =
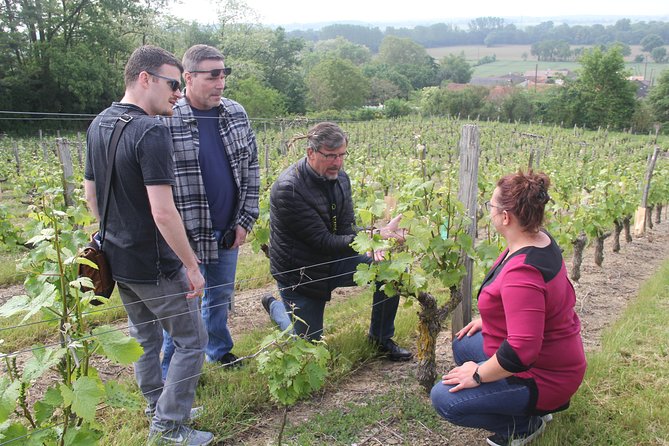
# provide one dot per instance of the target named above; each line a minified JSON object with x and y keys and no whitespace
{"x":326,"y":135}
{"x":199,"y":53}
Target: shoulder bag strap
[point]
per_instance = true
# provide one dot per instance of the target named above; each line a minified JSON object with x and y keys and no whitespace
{"x":122,"y":121}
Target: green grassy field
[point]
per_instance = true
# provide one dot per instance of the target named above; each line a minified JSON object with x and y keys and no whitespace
{"x":510,"y":60}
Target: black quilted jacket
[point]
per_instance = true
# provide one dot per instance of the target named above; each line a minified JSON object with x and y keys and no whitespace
{"x":305,"y":231}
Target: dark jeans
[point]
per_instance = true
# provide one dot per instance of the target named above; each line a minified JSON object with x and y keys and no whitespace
{"x":498,"y":406}
{"x":311,"y":310}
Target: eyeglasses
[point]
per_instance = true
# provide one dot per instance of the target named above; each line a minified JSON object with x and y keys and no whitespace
{"x":173,"y":83}
{"x":217,"y":72}
{"x":489,"y":205}
{"x":333,"y":156}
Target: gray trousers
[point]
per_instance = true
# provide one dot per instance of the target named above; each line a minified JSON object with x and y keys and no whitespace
{"x":152,"y":308}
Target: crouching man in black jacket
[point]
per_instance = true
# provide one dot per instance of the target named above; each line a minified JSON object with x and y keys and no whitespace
{"x":311,"y":229}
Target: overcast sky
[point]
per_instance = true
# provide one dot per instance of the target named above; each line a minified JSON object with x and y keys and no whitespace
{"x":282,"y":12}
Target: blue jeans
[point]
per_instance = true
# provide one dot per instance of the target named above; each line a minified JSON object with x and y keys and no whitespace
{"x":311,"y":310}
{"x":498,"y":406}
{"x":219,"y":283}
{"x":166,"y":302}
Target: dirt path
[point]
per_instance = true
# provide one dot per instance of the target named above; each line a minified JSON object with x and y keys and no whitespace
{"x":602,"y":295}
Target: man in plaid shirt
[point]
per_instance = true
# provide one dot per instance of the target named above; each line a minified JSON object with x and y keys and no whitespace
{"x":216,"y":192}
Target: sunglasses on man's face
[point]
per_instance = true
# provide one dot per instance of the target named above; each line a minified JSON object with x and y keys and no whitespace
{"x":217,"y":72}
{"x":173,"y":83}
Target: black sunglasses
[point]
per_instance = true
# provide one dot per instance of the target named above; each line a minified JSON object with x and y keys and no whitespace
{"x":217,"y":72}
{"x":173,"y":83}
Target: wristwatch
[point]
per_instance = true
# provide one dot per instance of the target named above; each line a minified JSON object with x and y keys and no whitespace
{"x":477,"y":377}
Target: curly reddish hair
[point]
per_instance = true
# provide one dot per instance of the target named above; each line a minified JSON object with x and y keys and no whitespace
{"x":525,"y":195}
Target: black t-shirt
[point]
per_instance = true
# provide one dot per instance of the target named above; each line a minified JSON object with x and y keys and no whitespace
{"x":136,"y":250}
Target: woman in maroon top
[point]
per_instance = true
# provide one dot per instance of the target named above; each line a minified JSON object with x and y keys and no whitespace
{"x":523,"y":358}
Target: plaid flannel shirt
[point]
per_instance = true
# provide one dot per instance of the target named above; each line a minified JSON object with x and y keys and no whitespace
{"x":189,"y":194}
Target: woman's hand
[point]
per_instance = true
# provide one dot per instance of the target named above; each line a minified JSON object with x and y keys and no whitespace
{"x":461,"y":377}
{"x":470,"y":329}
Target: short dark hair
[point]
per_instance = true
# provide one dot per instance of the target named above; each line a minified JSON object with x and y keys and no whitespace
{"x":525,"y":195}
{"x":326,"y":135}
{"x":148,"y":58}
{"x":198,"y":53}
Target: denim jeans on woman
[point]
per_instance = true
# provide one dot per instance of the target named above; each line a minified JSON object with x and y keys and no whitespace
{"x":220,"y":286}
{"x":497,"y":406}
{"x":311,"y":310}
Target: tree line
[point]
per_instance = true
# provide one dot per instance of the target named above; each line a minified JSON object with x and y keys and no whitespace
{"x":67,"y":57}
{"x":494,"y":31}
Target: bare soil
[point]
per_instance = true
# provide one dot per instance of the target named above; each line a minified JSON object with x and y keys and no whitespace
{"x":602,"y":294}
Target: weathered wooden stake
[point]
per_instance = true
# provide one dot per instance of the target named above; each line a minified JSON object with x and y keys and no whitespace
{"x":65,"y":158}
{"x":45,"y":153}
{"x":17,"y":158}
{"x":80,"y":149}
{"x":470,"y":151}
{"x":641,"y":213}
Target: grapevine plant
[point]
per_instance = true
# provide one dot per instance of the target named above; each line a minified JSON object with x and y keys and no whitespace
{"x":66,"y":412}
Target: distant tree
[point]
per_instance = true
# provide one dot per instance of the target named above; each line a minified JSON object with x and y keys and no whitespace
{"x":517,"y":106}
{"x":344,"y":49}
{"x":604,"y":95}
{"x":551,"y":50}
{"x":658,"y":98}
{"x":659,"y":54}
{"x":410,"y":59}
{"x":442,"y":102}
{"x":362,"y":35}
{"x":455,"y":68}
{"x":625,"y":49}
{"x":395,"y":108}
{"x":639,"y":58}
{"x":381,"y":90}
{"x":651,"y":42}
{"x":524,"y":56}
{"x":396,"y":51}
{"x":336,"y":84}
{"x":68,"y":56}
{"x":259,"y":100}
{"x":379,"y":74}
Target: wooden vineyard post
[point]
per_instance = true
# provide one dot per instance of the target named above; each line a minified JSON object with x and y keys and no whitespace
{"x":266,"y":147}
{"x":42,"y":143}
{"x":641,"y":213}
{"x":65,"y":158}
{"x":467,"y":193}
{"x":17,"y":158}
{"x":80,"y":149}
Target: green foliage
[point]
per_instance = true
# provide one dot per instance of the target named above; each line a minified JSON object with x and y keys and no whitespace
{"x":336,"y":84}
{"x":659,"y":54}
{"x":659,"y":98}
{"x":66,"y":414}
{"x":394,"y":108}
{"x":344,"y":49}
{"x":410,"y":59}
{"x":293,"y":366}
{"x":601,"y":96}
{"x":258,"y":100}
{"x":650,"y":42}
{"x":551,"y":50}
{"x":467,"y":102}
{"x":455,"y":69}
